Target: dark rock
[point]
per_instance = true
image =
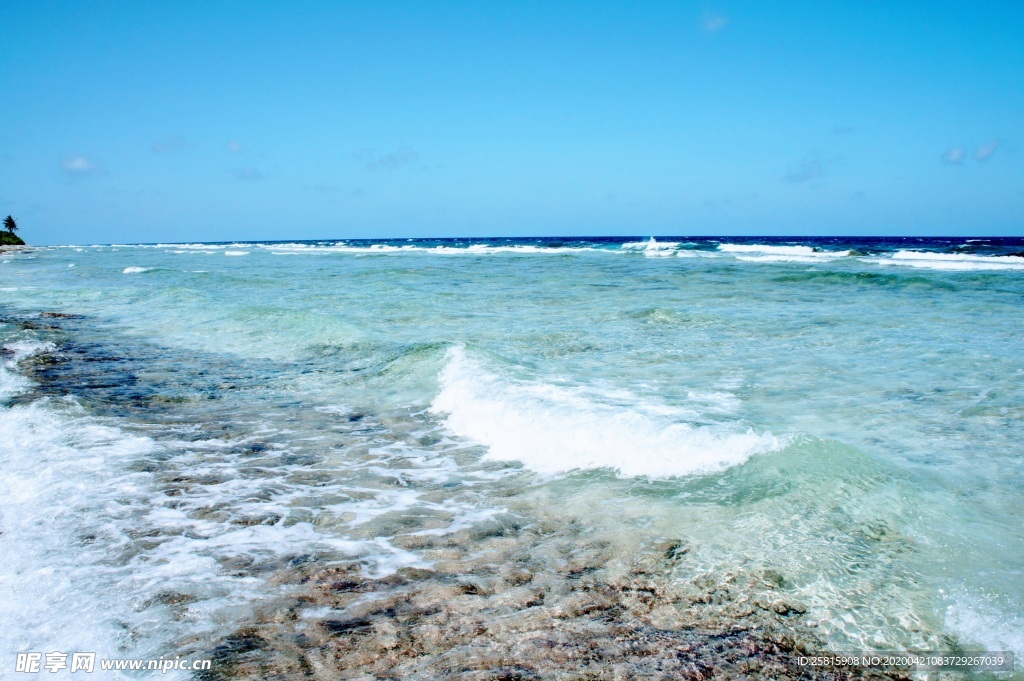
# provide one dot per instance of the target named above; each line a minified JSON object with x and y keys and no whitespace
{"x":353,"y":626}
{"x":60,"y":315}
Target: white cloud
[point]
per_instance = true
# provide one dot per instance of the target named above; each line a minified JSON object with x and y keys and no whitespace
{"x":985,"y":151}
{"x":80,"y":166}
{"x":955,"y":156}
{"x":713,"y":22}
{"x":235,"y":147}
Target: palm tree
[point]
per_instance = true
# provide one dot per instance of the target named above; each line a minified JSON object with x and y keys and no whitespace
{"x":10,"y":225}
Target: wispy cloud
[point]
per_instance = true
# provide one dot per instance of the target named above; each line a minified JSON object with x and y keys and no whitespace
{"x":955,"y":156}
{"x":172,"y":143}
{"x":246,"y":173}
{"x":805,"y":171}
{"x":393,"y":160}
{"x":985,"y":151}
{"x":713,"y":22}
{"x":235,"y":147}
{"x":80,"y":166}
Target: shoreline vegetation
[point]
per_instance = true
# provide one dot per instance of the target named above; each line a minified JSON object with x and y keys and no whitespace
{"x":8,"y":236}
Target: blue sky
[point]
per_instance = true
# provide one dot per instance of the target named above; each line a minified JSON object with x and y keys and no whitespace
{"x":184,"y":121}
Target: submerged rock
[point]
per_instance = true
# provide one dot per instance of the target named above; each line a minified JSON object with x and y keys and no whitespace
{"x":59,"y":315}
{"x":537,"y":605}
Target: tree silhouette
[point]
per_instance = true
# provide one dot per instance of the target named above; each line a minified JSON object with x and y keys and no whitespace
{"x":10,"y":225}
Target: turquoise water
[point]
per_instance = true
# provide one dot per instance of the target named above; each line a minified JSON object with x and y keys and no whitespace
{"x":844,"y":414}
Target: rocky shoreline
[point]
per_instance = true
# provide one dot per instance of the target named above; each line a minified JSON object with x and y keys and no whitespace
{"x":545,"y":601}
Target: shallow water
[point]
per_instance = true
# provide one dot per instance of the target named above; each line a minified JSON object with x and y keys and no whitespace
{"x":838,"y":422}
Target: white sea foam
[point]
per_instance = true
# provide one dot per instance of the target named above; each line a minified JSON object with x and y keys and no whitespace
{"x":12,"y":382}
{"x":653,"y":248}
{"x":951,"y":261}
{"x":62,"y":517}
{"x":484,"y":249}
{"x":74,"y":504}
{"x":136,"y":270}
{"x":236,"y":252}
{"x":27,"y":347}
{"x":770,"y":253}
{"x":695,"y":253}
{"x":191,"y":247}
{"x":765,"y":248}
{"x":636,"y":245}
{"x":977,"y":619}
{"x":381,"y":249}
{"x":92,"y":542}
{"x":554,"y":429}
{"x":719,"y":402}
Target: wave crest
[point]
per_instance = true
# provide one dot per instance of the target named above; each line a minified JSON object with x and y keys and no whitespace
{"x":554,"y":429}
{"x":953,"y":261}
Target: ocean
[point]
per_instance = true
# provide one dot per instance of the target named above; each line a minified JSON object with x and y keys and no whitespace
{"x":429,"y":458}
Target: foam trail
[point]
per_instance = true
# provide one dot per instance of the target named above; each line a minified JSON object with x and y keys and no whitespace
{"x":191,"y":247}
{"x":552,"y":429}
{"x":768,"y":253}
{"x":380,"y":249}
{"x":136,"y":270}
{"x":952,"y":261}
